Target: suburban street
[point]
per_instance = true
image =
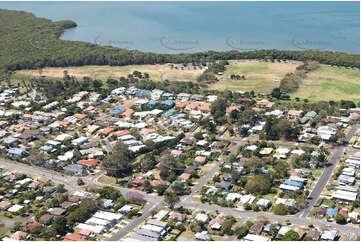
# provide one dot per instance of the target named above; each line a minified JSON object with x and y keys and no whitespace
{"x":331,"y":165}
{"x":154,"y":202}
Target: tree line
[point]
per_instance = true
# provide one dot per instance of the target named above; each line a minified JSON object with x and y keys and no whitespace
{"x":29,"y":42}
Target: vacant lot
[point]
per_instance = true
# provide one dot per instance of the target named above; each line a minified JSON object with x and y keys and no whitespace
{"x":260,"y":76}
{"x":330,"y":83}
{"x":156,"y":72}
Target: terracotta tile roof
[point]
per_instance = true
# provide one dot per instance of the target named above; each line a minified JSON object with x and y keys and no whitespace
{"x":181,"y":105}
{"x":205,"y":108}
{"x":85,"y":232}
{"x":74,"y":237}
{"x":191,"y":106}
{"x":155,"y":183}
{"x":343,"y":212}
{"x":90,"y":162}
{"x":138,"y":181}
{"x":184,"y":176}
{"x":32,"y":225}
{"x":79,"y":116}
{"x":293,"y":112}
{"x":5,"y":205}
{"x":177,"y":216}
{"x":121,"y":133}
{"x":128,"y":113}
{"x":105,"y":130}
{"x":176,"y":152}
{"x":19,"y":235}
{"x":200,"y":159}
{"x":63,"y":123}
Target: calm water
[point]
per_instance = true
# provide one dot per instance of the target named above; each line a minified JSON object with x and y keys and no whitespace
{"x":172,"y":27}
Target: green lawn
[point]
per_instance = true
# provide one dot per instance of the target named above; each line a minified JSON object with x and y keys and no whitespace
{"x":330,"y":83}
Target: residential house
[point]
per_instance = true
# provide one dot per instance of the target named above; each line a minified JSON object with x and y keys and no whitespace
{"x":46,"y":219}
{"x":292,"y":114}
{"x":217,"y":222}
{"x":256,"y":228}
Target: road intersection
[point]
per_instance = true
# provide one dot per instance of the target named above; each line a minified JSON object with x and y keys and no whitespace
{"x":155,"y":202}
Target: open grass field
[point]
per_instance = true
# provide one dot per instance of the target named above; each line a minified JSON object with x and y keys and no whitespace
{"x":261,"y":77}
{"x":156,"y":72}
{"x":325,"y":83}
{"x":330,"y":83}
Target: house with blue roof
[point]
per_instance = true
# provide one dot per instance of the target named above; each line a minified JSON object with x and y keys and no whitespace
{"x":178,"y":116}
{"x":117,"y":110}
{"x":294,"y":183}
{"x":168,"y":103}
{"x":332,"y":211}
{"x":46,"y":148}
{"x":261,"y":170}
{"x":17,"y":152}
{"x":151,"y":103}
{"x":142,"y":93}
{"x":108,"y":203}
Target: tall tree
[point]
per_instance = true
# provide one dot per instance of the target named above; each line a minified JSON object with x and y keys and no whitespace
{"x":118,"y":163}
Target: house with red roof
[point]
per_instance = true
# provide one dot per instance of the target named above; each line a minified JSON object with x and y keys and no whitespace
{"x":191,"y":106}
{"x":138,"y":182}
{"x":128,"y":113}
{"x":105,"y":131}
{"x":86,"y":232}
{"x":5,"y":205}
{"x":63,"y":123}
{"x":121,"y":133}
{"x":146,"y":131}
{"x":19,"y":235}
{"x":184,"y":177}
{"x":205,"y":109}
{"x":176,"y":153}
{"x":292,"y":114}
{"x":244,"y":99}
{"x":321,"y":211}
{"x":74,"y":237}
{"x":343,"y":212}
{"x":80,"y":116}
{"x":265,"y":104}
{"x":155,"y":183}
{"x":200,"y":160}
{"x":28,"y":227}
{"x":88,"y":163}
{"x":177,"y":216}
{"x":35,"y":185}
{"x":180,"y":105}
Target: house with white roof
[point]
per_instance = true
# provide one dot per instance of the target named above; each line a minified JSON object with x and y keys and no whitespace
{"x":282,"y":153}
{"x":231,"y":197}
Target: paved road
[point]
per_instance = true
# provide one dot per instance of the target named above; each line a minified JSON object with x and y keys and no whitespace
{"x":136,"y":222}
{"x":331,"y":165}
{"x":108,"y":145}
{"x":68,"y":181}
{"x":210,"y":174}
{"x":156,"y":202}
{"x":250,"y":215}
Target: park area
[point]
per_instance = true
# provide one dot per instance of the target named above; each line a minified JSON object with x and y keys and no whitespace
{"x":324,"y":83}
